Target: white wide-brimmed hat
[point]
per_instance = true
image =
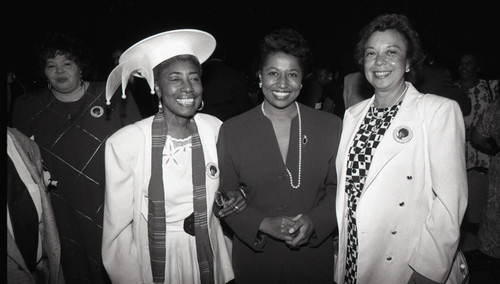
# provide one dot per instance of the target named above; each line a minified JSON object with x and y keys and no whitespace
{"x":140,"y":59}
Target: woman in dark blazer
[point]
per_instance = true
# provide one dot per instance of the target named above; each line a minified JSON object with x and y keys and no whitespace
{"x":282,"y":154}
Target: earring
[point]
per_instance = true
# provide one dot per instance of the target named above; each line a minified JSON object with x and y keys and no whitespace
{"x":407,"y":70}
{"x":260,"y":85}
{"x":49,"y":86}
{"x":160,"y":105}
{"x":202,"y":105}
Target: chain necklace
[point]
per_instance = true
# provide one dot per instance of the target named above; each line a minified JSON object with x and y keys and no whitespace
{"x":300,"y":148}
{"x":383,"y":111}
{"x":396,"y":101}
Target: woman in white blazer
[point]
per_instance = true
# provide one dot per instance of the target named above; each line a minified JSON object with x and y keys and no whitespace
{"x":402,"y":181}
{"x":162,"y":172}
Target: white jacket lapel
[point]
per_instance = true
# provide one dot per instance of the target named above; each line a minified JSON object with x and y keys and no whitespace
{"x":389,"y":147}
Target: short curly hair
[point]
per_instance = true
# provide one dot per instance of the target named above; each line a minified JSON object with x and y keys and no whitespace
{"x":56,"y":43}
{"x":288,"y":41}
{"x":402,"y":25}
{"x":183,"y":57}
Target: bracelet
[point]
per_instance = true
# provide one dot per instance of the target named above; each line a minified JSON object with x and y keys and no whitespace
{"x":242,"y":190}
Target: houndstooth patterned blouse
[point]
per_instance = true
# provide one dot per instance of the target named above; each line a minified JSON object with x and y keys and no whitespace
{"x":368,"y":137}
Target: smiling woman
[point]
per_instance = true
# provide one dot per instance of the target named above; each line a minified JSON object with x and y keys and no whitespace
{"x":284,"y":153}
{"x":402,"y":181}
{"x":70,"y":122}
{"x":178,"y":85}
{"x":162,"y":172}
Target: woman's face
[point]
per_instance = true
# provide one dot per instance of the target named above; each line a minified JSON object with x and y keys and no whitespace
{"x":63,"y":74}
{"x":281,"y":78}
{"x":468,"y":67}
{"x":180,"y":89}
{"x":385,"y":61}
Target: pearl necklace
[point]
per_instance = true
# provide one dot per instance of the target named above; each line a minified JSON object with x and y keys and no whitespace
{"x":300,"y":148}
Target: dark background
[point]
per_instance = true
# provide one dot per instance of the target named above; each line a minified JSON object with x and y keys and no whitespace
{"x":446,"y":28}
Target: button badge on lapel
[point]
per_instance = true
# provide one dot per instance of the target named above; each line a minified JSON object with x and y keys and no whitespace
{"x":212,"y":170}
{"x":402,"y":134}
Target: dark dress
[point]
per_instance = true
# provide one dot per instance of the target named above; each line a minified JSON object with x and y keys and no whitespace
{"x":71,"y":137}
{"x":249,"y":154}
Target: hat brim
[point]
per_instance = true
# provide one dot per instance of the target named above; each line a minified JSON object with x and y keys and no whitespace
{"x":142,"y":57}
{"x":171,"y":43}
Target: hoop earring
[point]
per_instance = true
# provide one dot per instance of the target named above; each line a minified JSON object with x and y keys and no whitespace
{"x":49,"y":85}
{"x":202,"y":105}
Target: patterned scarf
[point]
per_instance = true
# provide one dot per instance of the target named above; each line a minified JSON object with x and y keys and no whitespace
{"x":156,"y":215}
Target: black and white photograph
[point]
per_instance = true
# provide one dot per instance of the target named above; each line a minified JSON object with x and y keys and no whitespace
{"x":242,"y":142}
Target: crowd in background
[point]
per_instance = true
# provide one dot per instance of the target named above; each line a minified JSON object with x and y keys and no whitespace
{"x":71,"y":137}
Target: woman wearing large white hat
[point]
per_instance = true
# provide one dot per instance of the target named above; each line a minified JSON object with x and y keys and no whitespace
{"x":162,"y":172}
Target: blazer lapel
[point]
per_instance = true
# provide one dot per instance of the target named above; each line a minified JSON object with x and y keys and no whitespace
{"x":389,"y":147}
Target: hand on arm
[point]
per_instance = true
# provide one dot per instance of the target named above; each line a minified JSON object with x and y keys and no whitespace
{"x":233,"y":202}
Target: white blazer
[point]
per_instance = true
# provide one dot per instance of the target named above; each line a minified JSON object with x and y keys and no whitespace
{"x":415,"y":194}
{"x":125,"y":246}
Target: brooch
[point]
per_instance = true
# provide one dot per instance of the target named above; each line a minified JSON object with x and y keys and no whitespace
{"x":96,"y":111}
{"x":212,"y":170}
{"x":402,"y":134}
{"x":304,"y":140}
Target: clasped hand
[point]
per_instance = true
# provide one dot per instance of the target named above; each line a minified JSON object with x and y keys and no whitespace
{"x":295,"y":231}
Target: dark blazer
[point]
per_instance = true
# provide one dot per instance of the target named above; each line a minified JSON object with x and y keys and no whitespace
{"x":249,"y":154}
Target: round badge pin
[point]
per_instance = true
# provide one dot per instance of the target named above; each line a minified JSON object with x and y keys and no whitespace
{"x":402,"y":134}
{"x":96,"y":111}
{"x":212,"y":170}
{"x":304,"y":140}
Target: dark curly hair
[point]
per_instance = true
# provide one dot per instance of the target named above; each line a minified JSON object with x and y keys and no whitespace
{"x":57,"y":43}
{"x":400,"y":23}
{"x":288,"y":41}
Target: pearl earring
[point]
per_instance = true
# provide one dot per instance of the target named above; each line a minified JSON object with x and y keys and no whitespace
{"x":160,"y":105}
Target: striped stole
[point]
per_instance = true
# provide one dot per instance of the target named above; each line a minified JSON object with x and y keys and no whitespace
{"x":156,"y":204}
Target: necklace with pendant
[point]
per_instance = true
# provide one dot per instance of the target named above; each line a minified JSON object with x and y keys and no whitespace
{"x":300,"y":148}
